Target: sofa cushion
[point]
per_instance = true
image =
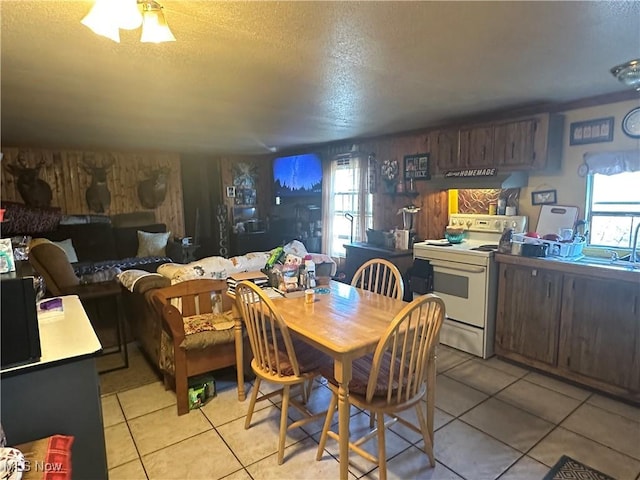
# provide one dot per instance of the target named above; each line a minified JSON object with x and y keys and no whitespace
{"x":152,"y":244}
{"x":126,"y":238}
{"x":141,"y":281}
{"x":93,"y":242}
{"x":133,"y":219}
{"x":67,"y":246}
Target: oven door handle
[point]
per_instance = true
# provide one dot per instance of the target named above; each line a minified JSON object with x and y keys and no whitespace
{"x":458,"y":268}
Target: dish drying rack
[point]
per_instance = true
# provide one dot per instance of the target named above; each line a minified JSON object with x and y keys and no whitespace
{"x":554,"y":249}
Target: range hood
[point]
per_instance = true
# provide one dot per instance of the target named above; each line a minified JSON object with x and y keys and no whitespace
{"x":499,"y":180}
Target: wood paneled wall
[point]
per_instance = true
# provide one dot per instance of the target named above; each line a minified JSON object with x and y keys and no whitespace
{"x":64,"y":173}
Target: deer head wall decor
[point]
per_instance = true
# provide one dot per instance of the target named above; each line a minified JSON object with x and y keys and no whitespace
{"x":34,"y":191}
{"x":97,"y":195}
{"x":153,"y":190}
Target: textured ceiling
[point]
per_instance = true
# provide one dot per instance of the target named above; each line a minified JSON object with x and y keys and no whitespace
{"x":246,"y":76}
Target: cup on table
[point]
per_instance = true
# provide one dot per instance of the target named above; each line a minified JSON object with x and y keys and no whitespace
{"x":309,"y":295}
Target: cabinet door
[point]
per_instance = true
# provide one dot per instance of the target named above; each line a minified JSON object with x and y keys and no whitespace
{"x":600,"y":330}
{"x":444,"y":148}
{"x":528,"y":312}
{"x":513,"y":144}
{"x":476,"y":147}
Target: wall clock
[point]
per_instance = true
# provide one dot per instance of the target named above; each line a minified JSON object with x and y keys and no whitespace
{"x":631,"y":123}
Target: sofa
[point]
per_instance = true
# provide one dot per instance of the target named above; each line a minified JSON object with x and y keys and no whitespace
{"x":100,"y":246}
{"x":93,"y":243}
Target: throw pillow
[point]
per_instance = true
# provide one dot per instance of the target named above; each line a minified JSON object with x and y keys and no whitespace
{"x":152,"y":244}
{"x":67,"y":246}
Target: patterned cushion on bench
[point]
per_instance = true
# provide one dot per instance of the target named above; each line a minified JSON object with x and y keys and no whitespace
{"x":201,"y":331}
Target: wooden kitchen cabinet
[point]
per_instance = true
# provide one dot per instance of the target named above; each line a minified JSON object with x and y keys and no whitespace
{"x":600,"y":330}
{"x":527,"y":143}
{"x":578,"y":322}
{"x":444,"y":149}
{"x":529,"y":302}
{"x":476,"y":146}
{"x":513,"y":143}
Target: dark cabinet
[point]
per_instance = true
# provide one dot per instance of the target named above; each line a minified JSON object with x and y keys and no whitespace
{"x":582,"y":327}
{"x":358,"y":253}
{"x":513,"y":143}
{"x":243,"y":243}
{"x":476,"y":146}
{"x":527,"y":143}
{"x":600,"y":330}
{"x":529,"y":302}
{"x":444,"y":149}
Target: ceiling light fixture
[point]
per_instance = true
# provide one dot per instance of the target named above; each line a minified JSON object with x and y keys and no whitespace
{"x":107,"y":17}
{"x":628,"y":73}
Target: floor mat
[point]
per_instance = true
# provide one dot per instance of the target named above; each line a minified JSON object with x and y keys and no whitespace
{"x":568,"y":468}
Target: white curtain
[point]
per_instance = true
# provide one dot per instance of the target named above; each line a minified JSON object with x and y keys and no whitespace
{"x":611,"y":163}
{"x":348,"y":192}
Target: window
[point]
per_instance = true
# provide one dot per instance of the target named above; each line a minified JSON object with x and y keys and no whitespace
{"x":613,"y":208}
{"x":349,"y":195}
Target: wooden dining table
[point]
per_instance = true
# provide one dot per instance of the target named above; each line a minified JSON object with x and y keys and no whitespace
{"x":345,"y":323}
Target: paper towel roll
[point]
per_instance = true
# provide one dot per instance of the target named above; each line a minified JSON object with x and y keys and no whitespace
{"x":402,"y":239}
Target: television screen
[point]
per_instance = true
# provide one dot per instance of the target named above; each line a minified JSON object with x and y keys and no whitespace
{"x":297,"y":175}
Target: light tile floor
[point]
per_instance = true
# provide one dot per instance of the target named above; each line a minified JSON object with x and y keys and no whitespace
{"x":493,"y":420}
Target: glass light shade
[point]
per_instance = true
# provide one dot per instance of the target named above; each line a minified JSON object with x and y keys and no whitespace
{"x":628,"y":73}
{"x":127,"y":14}
{"x":101,"y":20}
{"x":155,"y":28}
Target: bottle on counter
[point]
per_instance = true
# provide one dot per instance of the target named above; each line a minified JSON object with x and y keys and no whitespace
{"x":310,"y":267}
{"x":502,"y":206}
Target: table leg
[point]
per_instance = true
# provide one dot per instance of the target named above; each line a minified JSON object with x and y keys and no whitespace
{"x":237,"y":333}
{"x":342,"y":373}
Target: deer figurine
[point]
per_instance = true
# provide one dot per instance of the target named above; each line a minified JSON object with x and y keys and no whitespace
{"x":97,"y":195}
{"x":34,"y":191}
{"x":153,"y":190}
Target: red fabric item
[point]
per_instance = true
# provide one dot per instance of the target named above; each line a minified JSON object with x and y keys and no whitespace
{"x":58,"y":458}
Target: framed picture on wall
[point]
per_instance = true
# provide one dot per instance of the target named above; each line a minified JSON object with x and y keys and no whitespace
{"x":416,"y":167}
{"x":591,"y":131}
{"x":544,"y":197}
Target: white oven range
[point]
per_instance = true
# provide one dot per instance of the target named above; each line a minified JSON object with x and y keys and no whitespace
{"x":465,"y":276}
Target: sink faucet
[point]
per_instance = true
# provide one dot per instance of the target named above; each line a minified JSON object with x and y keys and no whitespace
{"x":633,"y":258}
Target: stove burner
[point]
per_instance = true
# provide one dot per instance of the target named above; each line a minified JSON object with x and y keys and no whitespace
{"x":486,"y":248}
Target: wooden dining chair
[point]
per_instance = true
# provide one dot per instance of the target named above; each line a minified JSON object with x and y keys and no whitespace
{"x":380,"y":276}
{"x":277,"y":358}
{"x":399,"y":375}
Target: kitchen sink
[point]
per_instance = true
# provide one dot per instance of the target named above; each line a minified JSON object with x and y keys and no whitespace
{"x":623,"y":262}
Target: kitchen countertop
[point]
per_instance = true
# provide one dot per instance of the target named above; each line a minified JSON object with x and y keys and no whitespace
{"x":583,"y":267}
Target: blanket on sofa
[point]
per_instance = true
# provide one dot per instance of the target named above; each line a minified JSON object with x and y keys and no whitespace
{"x":220,"y":267}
